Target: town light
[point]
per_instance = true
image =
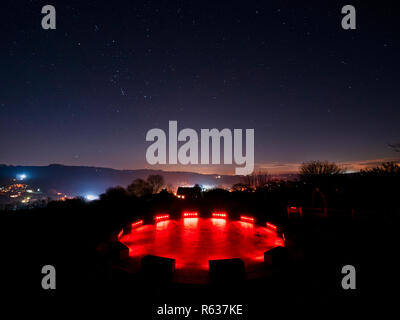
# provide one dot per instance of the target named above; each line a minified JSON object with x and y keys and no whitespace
{"x":90,"y":197}
{"x":21,"y":176}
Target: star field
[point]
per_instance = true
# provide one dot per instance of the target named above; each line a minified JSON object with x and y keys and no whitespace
{"x":87,"y":92}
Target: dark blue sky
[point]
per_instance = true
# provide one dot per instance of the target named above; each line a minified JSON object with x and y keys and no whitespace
{"x":87,"y":92}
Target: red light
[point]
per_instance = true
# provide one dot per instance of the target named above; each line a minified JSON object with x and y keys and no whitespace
{"x":247,"y":219}
{"x":120,"y":234}
{"x":161,"y":217}
{"x":221,"y":215}
{"x":293,"y":208}
{"x":137,"y":223}
{"x":195,"y":241}
{"x":272,"y":226}
{"x":190,"y":214}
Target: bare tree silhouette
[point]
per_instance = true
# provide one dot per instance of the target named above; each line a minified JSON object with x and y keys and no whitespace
{"x":256,"y":180}
{"x":395,"y":147}
{"x":389,"y":168}
{"x":156,"y":181}
{"x":140,"y":187}
{"x":319,"y":168}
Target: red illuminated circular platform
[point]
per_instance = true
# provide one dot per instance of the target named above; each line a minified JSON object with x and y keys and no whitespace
{"x":192,"y":242}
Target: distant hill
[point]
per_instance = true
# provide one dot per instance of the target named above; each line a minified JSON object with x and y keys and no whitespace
{"x":80,"y":180}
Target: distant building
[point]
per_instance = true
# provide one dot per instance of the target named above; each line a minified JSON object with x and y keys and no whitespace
{"x":189,"y":192}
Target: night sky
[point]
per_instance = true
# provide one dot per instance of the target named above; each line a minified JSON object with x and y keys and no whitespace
{"x":88,"y":92}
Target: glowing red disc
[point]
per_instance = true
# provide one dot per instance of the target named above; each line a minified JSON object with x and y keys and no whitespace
{"x":194,"y":241}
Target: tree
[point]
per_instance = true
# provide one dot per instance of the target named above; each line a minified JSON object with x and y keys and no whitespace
{"x":390,"y":168}
{"x":240,"y":187}
{"x":256,"y":180}
{"x":140,"y":187}
{"x":395,"y":147}
{"x":319,"y":169}
{"x":114,"y":193}
{"x":156,"y":181}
